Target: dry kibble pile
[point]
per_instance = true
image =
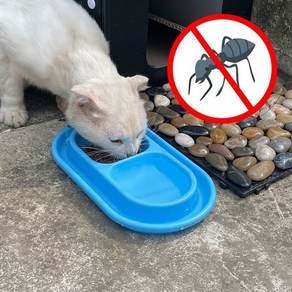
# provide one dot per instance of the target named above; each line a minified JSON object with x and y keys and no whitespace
{"x":245,"y":153}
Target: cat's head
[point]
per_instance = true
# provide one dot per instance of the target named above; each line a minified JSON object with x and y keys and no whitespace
{"x":110,"y":114}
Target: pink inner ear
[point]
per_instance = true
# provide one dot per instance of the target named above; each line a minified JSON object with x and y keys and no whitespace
{"x":89,"y":107}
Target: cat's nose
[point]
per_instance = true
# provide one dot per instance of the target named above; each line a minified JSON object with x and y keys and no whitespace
{"x":132,"y":150}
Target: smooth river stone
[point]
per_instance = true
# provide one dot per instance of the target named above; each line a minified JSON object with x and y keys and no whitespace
{"x":166,"y":112}
{"x":170,"y":95}
{"x":255,"y":142}
{"x":242,"y":151}
{"x":178,"y":122}
{"x":267,"y":114}
{"x":154,"y":119}
{"x":198,"y":150}
{"x":248,"y":122}
{"x":275,"y":98}
{"x":217,"y":161}
{"x":193,"y":121}
{"x":167,"y":129}
{"x":174,"y":101}
{"x":204,"y":141}
{"x":281,"y":144}
{"x":149,"y":106}
{"x":284,"y":118}
{"x":211,"y":126}
{"x":275,"y":133}
{"x":252,"y":132}
{"x":265,"y":125}
{"x":231,"y":129}
{"x":218,"y":136}
{"x":283,"y":160}
{"x":166,"y":87}
{"x":152,"y":91}
{"x":245,"y":163}
{"x":236,"y":141}
{"x":261,"y":170}
{"x":265,"y":152}
{"x":161,"y":100}
{"x":287,"y":103}
{"x":280,"y":109}
{"x":184,"y":140}
{"x":221,"y":149}
{"x":288,"y":127}
{"x":178,"y":108}
{"x":288,"y":94}
{"x":238,"y":177}
{"x":144,"y":96}
{"x":194,"y":131}
{"x":279,"y":89}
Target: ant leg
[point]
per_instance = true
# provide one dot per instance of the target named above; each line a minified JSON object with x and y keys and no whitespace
{"x":223,"y":41}
{"x":227,"y":66}
{"x":208,"y":88}
{"x":250,"y":70}
{"x":204,"y":56}
{"x":190,"y":81}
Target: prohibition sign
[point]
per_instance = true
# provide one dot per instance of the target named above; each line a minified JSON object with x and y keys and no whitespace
{"x":222,"y":68}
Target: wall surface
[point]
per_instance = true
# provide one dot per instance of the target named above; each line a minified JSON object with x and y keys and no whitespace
{"x":274,"y":17}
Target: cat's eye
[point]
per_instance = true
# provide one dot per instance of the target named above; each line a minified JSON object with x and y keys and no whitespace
{"x":116,"y":141}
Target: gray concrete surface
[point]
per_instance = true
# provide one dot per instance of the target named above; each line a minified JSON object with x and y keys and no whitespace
{"x":274,"y":17}
{"x":53,"y":238}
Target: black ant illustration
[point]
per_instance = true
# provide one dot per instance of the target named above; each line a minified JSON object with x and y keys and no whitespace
{"x":234,"y":51}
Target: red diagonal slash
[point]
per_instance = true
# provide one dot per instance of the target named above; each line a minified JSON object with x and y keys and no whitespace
{"x":222,"y":69}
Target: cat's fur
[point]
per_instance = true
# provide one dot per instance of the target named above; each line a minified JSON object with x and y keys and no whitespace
{"x":56,"y":45}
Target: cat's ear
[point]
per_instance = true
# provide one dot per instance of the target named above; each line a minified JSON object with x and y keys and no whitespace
{"x":138,"y":82}
{"x":87,"y":99}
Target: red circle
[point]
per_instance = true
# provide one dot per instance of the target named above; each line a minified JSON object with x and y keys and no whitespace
{"x":260,"y":33}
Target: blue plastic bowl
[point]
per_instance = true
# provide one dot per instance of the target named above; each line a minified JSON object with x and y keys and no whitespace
{"x":156,"y":191}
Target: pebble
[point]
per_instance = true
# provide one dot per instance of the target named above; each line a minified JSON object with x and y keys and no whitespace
{"x":170,"y":95}
{"x":193,"y":121}
{"x":178,"y":122}
{"x":161,"y":100}
{"x":198,"y":150}
{"x":242,"y":151}
{"x":288,"y":127}
{"x":275,"y":98}
{"x":261,"y":170}
{"x":231,"y":129}
{"x":154,"y":119}
{"x":288,"y":94}
{"x":236,"y":141}
{"x":217,"y":161}
{"x":267,"y":114}
{"x":255,"y":142}
{"x":166,"y":112}
{"x":218,"y":136}
{"x":238,"y":177}
{"x":152,"y":91}
{"x":287,"y":103}
{"x":149,"y":106}
{"x":204,"y":141}
{"x":265,"y":125}
{"x":275,"y":132}
{"x":178,"y":108}
{"x":252,"y":132}
{"x":194,"y":131}
{"x":211,"y":126}
{"x":265,"y":152}
{"x":221,"y":149}
{"x":281,"y":144}
{"x":184,"y":140}
{"x":280,"y":109}
{"x":283,"y":160}
{"x":245,"y":163}
{"x":279,"y":89}
{"x":174,"y":101}
{"x":248,"y":122}
{"x":166,"y":87}
{"x":144,"y":96}
{"x":168,"y":129}
{"x":284,"y":118}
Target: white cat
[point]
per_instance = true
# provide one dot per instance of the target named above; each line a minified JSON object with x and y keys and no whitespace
{"x":56,"y":45}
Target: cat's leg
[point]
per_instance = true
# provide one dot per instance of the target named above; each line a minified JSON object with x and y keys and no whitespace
{"x":12,"y":110}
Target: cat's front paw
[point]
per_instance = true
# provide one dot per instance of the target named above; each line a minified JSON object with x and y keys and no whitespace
{"x":13,"y":117}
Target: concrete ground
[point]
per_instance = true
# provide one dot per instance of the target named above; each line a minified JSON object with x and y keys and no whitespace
{"x":53,"y":238}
